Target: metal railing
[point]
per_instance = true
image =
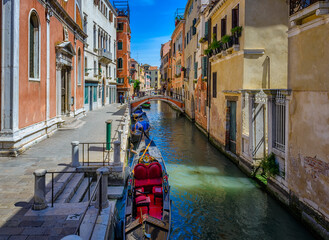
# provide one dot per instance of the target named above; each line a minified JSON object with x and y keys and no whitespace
{"x":97,"y":186}
{"x":98,"y":152}
{"x":52,"y":182}
{"x":298,"y":5}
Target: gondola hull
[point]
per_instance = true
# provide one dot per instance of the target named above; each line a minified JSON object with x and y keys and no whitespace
{"x":154,"y":220}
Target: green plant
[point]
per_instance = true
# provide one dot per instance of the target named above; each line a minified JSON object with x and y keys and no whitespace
{"x":270,"y":166}
{"x":202,"y":40}
{"x":226,"y":39}
{"x":215,"y":44}
{"x":207,"y":51}
{"x":237,"y":29}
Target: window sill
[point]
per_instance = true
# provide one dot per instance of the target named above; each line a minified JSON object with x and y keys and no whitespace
{"x":34,"y":79}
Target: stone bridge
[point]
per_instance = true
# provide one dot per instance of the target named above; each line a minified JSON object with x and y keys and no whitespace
{"x":176,"y":101}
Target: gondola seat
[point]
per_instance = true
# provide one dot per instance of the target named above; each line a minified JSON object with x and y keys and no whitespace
{"x":157,"y":192}
{"x":148,"y":176}
{"x":143,"y":201}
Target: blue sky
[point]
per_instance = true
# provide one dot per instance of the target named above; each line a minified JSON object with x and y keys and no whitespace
{"x":152,"y":23}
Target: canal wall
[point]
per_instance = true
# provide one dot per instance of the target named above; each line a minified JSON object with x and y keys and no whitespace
{"x":309,"y":216}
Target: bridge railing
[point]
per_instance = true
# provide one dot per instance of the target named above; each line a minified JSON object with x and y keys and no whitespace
{"x":170,"y":94}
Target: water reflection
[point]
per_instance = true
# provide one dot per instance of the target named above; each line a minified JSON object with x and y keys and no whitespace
{"x":212,"y":198}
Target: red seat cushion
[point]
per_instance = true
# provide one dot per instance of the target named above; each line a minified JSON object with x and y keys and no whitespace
{"x":140,"y":171}
{"x":154,"y":170}
{"x":155,"y":182}
{"x":157,"y":190}
{"x":142,"y":199}
{"x":141,"y":183}
{"x":139,"y":191}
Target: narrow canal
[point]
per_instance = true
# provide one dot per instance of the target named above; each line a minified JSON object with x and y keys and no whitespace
{"x":212,"y":198}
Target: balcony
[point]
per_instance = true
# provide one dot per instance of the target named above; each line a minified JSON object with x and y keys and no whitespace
{"x":104,"y":55}
{"x":296,"y":6}
{"x":120,"y":81}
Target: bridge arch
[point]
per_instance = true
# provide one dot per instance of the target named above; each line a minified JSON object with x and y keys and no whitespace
{"x":134,"y":104}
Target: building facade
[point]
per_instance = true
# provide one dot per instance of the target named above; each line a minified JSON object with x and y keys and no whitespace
{"x":245,"y":66}
{"x":99,"y":18}
{"x":190,"y":15}
{"x":44,"y":41}
{"x":177,"y":53}
{"x":201,"y":69}
{"x":123,"y":49}
{"x":307,"y":125}
{"x":165,"y":67}
{"x":152,"y":72}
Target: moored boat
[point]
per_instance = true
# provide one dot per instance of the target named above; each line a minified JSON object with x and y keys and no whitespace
{"x":148,"y":205}
{"x":140,"y":127}
{"x":146,"y":105}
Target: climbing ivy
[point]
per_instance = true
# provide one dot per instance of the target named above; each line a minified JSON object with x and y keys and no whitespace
{"x":270,"y":166}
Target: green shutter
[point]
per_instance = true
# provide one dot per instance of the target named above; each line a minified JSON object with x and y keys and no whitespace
{"x":204,"y":67}
{"x":206,"y":30}
{"x":196,"y":70}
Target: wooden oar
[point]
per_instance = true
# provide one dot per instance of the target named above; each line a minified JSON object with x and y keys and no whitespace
{"x":145,"y":150}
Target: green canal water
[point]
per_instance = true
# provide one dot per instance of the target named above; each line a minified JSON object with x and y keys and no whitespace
{"x":211,"y":197}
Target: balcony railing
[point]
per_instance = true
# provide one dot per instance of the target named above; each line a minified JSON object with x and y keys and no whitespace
{"x":104,"y":55}
{"x":298,"y":5}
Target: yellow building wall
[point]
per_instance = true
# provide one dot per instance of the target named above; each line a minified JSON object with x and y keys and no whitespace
{"x":308,"y":158}
{"x":266,"y":26}
{"x":229,"y":78}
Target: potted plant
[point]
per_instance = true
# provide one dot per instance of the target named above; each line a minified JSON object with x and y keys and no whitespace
{"x":227,"y":41}
{"x":202,"y":40}
{"x":236,"y":31}
{"x":215,"y":47}
{"x":208,"y":52}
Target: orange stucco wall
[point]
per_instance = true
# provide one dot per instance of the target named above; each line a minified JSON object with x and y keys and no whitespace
{"x":125,"y":38}
{"x":32,"y":98}
{"x":32,"y":94}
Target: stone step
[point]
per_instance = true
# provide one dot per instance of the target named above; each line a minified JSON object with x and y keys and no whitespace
{"x":115,"y":192}
{"x":59,"y":185}
{"x":86,"y":228}
{"x":70,"y":188}
{"x":92,"y":187}
{"x":81,"y":191}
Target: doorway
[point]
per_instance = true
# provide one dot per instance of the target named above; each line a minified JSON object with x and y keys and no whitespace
{"x":231,"y":126}
{"x":65,"y":90}
{"x":90,"y":98}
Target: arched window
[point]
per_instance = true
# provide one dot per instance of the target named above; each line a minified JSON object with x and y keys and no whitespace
{"x":34,"y":46}
{"x":120,"y":45}
{"x":79,"y":66}
{"x":120,"y":63}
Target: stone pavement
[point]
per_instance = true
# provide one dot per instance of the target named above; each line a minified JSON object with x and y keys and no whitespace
{"x":52,"y":154}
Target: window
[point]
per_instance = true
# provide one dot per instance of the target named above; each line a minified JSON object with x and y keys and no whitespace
{"x":214,"y":32}
{"x":204,"y":66}
{"x":95,"y":36}
{"x":120,"y":45}
{"x":79,"y":66}
{"x":86,"y":65}
{"x":223,"y":26}
{"x":110,"y":71}
{"x":121,"y":80}
{"x":120,"y":26}
{"x":120,"y":63}
{"x":235,"y":16}
{"x":34,"y":46}
{"x":214,"y":84}
{"x":279,"y":122}
{"x":85,"y":24}
{"x":95,"y":68}
{"x":195,"y":70}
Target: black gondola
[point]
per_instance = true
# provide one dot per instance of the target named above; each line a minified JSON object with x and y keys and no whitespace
{"x":148,"y":205}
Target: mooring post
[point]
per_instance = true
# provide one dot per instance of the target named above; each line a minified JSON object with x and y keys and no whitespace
{"x":39,"y":189}
{"x":75,"y":154}
{"x":101,"y":196}
{"x":120,"y":135}
{"x":117,"y":150}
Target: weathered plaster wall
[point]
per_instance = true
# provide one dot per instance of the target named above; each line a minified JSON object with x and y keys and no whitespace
{"x":200,"y":99}
{"x":32,"y":100}
{"x":308,"y":162}
{"x":266,"y":26}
